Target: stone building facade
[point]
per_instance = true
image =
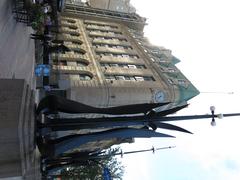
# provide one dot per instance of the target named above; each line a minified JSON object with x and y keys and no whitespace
{"x":111,"y":63}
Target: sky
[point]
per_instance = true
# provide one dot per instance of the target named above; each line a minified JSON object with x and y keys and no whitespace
{"x":204,"y":35}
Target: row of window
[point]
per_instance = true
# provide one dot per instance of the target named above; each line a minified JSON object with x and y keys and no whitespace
{"x":67,"y":41}
{"x":72,"y":42}
{"x":103,"y":31}
{"x":78,"y":51}
{"x":109,"y":38}
{"x":179,"y":81}
{"x":130,"y":66}
{"x":72,"y":27}
{"x":76,"y":77}
{"x":129,"y":78}
{"x":112,"y":46}
{"x":64,"y":63}
{"x":76,"y":34}
{"x":70,"y":20}
{"x":101,"y":54}
{"x":86,"y":77}
{"x":100,"y":25}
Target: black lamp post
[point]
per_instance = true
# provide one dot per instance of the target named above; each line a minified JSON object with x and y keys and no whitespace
{"x":121,"y":125}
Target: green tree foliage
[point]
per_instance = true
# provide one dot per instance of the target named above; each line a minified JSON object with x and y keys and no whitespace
{"x":94,"y":170}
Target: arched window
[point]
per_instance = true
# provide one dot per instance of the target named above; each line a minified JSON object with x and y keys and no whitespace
{"x":72,"y":27}
{"x":74,"y":34}
{"x":82,"y":64}
{"x":78,"y":50}
{"x":85,"y":77}
{"x":71,"y":21}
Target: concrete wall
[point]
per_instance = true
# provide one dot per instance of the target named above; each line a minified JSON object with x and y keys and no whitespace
{"x":11,"y":99}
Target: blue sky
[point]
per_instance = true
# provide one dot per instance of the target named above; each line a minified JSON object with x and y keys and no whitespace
{"x":204,"y":35}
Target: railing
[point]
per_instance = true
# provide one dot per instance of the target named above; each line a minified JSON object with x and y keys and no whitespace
{"x":21,"y":13}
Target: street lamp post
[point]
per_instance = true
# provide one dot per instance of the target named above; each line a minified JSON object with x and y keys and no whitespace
{"x":125,"y":123}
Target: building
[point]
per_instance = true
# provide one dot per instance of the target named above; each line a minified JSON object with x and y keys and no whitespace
{"x":111,"y":63}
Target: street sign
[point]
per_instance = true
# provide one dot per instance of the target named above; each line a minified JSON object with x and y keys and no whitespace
{"x":42,"y":70}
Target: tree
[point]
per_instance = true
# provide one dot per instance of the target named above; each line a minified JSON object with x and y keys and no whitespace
{"x":94,"y":169}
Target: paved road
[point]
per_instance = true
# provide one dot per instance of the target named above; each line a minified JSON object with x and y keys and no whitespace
{"x":16,"y":48}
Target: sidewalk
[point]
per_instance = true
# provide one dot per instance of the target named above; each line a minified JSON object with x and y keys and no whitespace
{"x":16,"y":48}
{"x":17,"y":61}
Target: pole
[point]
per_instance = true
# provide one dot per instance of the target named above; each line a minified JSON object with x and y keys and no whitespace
{"x":64,"y":124}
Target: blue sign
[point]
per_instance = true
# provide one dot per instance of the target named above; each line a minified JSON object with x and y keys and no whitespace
{"x":106,"y":174}
{"x":42,"y":70}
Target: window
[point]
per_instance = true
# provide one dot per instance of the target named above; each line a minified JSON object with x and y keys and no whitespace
{"x":132,"y":66}
{"x":71,"y":21}
{"x":139,"y":78}
{"x":153,"y":60}
{"x":110,"y":77}
{"x":74,"y":34}
{"x":125,"y":55}
{"x":171,"y":70}
{"x":73,"y":27}
{"x":61,"y":63}
{"x":82,"y":64}
{"x":132,"y":78}
{"x":134,"y":56}
{"x":170,"y":81}
{"x":76,"y":42}
{"x":113,"y":65}
{"x":141,"y":66}
{"x":57,"y":41}
{"x":129,"y":78}
{"x":78,"y":51}
{"x":181,"y":82}
{"x":123,"y":65}
{"x":148,"y":78}
{"x":123,"y":40}
{"x":120,"y":77}
{"x":85,"y":77}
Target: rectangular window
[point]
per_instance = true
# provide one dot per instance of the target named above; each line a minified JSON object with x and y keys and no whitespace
{"x":141,"y":66}
{"x":139,"y":78}
{"x":127,"y":78}
{"x":109,"y":77}
{"x":171,"y":70}
{"x":125,"y":55}
{"x":132,"y":66}
{"x":113,"y":65}
{"x":170,"y":81}
{"x":120,"y":77}
{"x":148,"y":78}
{"x":181,"y":81}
